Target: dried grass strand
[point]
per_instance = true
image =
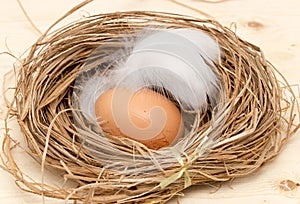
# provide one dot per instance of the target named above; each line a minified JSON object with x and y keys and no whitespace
{"x":28,"y":18}
{"x":202,"y":13}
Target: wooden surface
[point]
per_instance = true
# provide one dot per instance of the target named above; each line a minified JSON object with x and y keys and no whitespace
{"x":274,"y":25}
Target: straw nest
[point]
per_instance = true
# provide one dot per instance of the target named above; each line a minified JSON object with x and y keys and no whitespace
{"x":252,"y":123}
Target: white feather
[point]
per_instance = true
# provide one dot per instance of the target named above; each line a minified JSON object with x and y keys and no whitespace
{"x":205,"y":43}
{"x":180,"y":61}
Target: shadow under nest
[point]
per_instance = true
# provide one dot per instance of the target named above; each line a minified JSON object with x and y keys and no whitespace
{"x":250,"y":127}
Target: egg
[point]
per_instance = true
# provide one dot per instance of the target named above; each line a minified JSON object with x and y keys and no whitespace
{"x":143,"y":115}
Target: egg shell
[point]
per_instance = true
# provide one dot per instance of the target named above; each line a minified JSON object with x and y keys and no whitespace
{"x":144,"y":115}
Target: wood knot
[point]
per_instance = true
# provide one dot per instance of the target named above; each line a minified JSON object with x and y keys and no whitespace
{"x":288,"y":185}
{"x":256,"y":25}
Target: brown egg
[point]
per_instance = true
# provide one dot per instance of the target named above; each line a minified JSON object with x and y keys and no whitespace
{"x":145,"y":116}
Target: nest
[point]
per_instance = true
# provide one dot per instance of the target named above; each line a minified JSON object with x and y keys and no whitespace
{"x":252,"y":124}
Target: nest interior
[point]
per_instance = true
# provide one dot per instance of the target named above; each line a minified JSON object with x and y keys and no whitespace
{"x":253,"y":123}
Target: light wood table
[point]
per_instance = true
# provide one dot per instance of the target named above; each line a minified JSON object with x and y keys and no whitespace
{"x":278,"y":34}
